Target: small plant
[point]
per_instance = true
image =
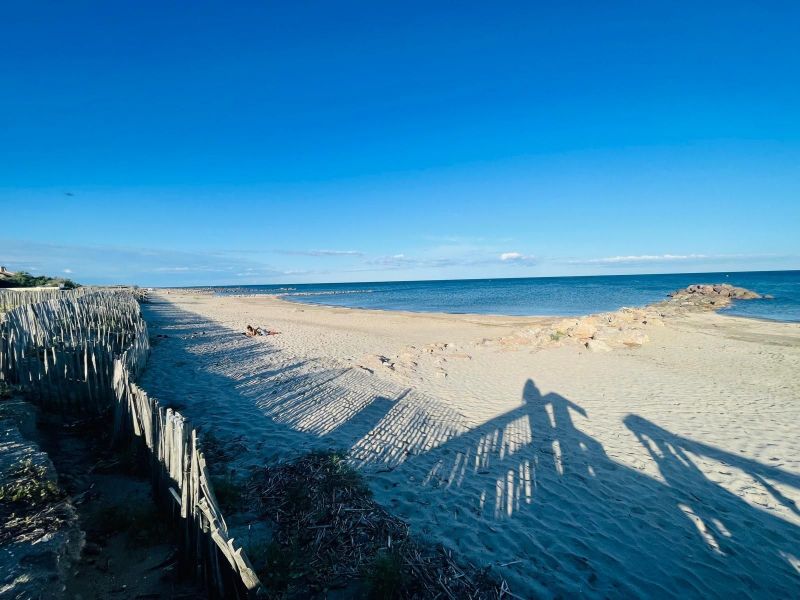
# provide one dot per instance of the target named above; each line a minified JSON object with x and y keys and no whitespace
{"x":29,"y":485}
{"x":338,"y":474}
{"x":386,"y":576}
{"x":281,"y":565}
{"x":229,"y":493}
{"x":218,"y":451}
{"x":557,"y":335}
{"x":142,"y":524}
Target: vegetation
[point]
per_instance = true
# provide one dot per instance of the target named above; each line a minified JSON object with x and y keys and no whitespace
{"x":142,"y":524}
{"x":5,"y":391}
{"x":328,"y":533}
{"x":24,"y":279}
{"x":228,"y":493}
{"x":29,"y":485}
{"x":387,"y":576}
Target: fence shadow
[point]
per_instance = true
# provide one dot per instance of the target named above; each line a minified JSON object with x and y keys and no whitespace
{"x":529,"y":489}
{"x":237,"y":381}
{"x":532,"y":489}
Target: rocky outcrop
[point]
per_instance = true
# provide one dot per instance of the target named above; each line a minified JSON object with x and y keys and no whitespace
{"x":709,"y":297}
{"x":39,"y":533}
{"x":627,"y":327}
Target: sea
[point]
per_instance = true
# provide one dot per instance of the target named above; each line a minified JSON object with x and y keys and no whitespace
{"x":541,"y":296}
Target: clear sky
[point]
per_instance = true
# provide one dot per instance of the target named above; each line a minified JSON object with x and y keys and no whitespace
{"x":200,"y":143}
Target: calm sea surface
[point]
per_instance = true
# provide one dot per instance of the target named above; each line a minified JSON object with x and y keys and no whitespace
{"x":542,"y":295}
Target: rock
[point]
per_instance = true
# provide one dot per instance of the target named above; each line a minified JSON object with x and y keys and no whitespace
{"x":375,"y":362}
{"x":583,"y":330}
{"x":564,"y":326}
{"x":725,"y":290}
{"x":743,"y":294}
{"x":598,"y":346}
{"x":635,"y":338}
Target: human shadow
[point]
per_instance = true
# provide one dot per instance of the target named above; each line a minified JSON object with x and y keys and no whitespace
{"x":761,"y":550}
{"x":543,"y":498}
{"x":530,"y":489}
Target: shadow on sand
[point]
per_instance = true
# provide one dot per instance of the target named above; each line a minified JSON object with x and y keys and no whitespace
{"x":549,"y":495}
{"x":527,"y":488}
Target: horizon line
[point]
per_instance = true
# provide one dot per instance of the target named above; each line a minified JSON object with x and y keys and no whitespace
{"x":727,"y":272}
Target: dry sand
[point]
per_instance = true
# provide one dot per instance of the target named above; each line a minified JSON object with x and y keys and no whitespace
{"x":666,"y":469}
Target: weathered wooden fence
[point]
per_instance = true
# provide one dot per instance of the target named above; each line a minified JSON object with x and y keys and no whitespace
{"x":11,"y":298}
{"x":80,"y":353}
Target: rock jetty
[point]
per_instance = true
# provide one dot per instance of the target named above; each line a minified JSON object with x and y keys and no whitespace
{"x":628,"y":327}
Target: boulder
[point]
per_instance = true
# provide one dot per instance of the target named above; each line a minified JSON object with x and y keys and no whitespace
{"x":724,"y":290}
{"x":598,"y":346}
{"x":635,"y":338}
{"x":583,"y":330}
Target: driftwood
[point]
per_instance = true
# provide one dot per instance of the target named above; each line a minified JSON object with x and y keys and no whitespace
{"x":79,"y":352}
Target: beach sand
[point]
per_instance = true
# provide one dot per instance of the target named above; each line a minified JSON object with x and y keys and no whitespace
{"x":670,"y":468}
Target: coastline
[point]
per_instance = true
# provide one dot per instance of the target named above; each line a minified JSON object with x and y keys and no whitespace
{"x":493,"y":444}
{"x":548,"y":296}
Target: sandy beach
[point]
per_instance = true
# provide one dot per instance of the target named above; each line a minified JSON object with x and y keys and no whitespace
{"x":668,"y":465}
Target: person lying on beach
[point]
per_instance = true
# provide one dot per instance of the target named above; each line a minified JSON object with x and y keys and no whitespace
{"x":253,"y":331}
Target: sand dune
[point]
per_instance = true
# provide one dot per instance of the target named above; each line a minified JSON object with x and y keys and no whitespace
{"x":667,"y":468}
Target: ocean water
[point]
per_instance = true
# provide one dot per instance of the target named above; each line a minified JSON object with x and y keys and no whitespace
{"x":565,"y":296}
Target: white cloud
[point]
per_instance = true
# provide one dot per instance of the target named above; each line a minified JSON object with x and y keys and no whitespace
{"x":67,"y":270}
{"x":517,"y":257}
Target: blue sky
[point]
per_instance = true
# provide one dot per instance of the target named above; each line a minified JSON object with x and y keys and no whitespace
{"x":202,"y":143}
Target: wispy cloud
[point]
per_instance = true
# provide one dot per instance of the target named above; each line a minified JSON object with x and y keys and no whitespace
{"x":145,"y":266}
{"x":639,"y":258}
{"x":399,"y":261}
{"x":321,"y":252}
{"x":663,"y":258}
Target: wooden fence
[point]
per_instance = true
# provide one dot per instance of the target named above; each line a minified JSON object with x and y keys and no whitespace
{"x":80,"y":353}
{"x":12,"y":297}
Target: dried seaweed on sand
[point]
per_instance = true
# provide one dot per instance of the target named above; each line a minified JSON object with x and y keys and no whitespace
{"x":330,"y":533}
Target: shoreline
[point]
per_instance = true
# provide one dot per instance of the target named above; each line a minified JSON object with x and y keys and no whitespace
{"x":531,"y":297}
{"x":379,"y":311}
{"x":286,"y":298}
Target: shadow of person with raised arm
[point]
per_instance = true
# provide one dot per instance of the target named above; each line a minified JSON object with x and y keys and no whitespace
{"x":541,"y":497}
{"x":756,"y":547}
{"x":532,"y":490}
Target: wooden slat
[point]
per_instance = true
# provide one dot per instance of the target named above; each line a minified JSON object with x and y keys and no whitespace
{"x":79,"y":352}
